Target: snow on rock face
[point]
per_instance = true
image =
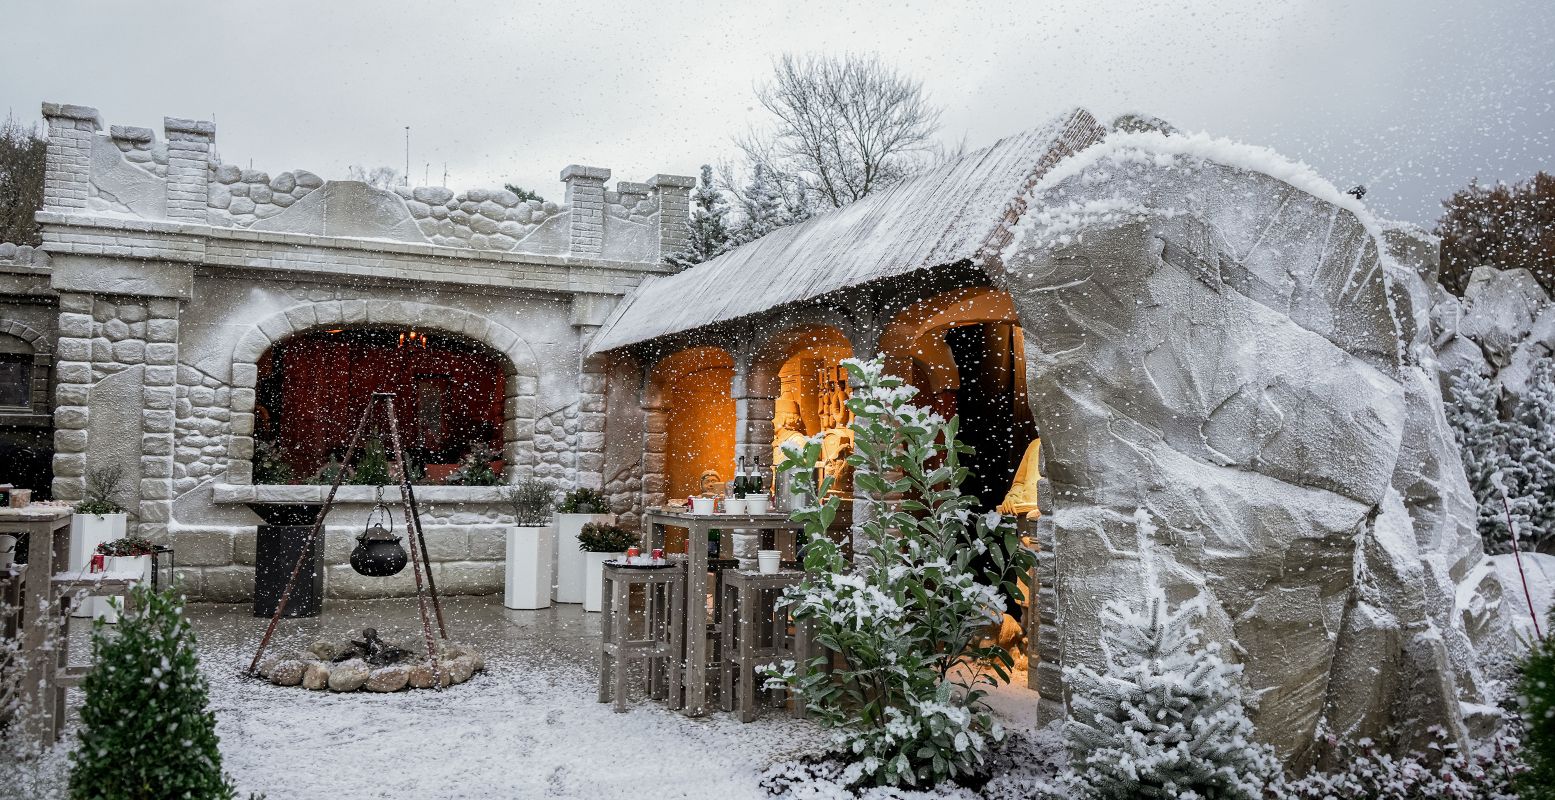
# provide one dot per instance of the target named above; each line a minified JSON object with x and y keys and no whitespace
{"x":1502,"y":327}
{"x":1216,"y":337}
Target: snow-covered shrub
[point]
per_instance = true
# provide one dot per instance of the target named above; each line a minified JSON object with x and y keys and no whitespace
{"x":907,"y":615}
{"x":1516,"y":449}
{"x":1165,"y":718}
{"x":1536,"y":689}
{"x":1490,"y":771}
{"x":145,"y":730}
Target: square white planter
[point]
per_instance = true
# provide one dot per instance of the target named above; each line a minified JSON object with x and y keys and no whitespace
{"x":531,"y":552}
{"x":119,"y":565}
{"x":594,"y":584}
{"x":570,"y":571}
{"x":87,"y":531}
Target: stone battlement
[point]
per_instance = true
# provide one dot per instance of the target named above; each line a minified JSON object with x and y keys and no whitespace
{"x":129,"y":173}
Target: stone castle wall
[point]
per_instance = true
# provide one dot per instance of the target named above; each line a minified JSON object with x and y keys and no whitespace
{"x":174,"y":273}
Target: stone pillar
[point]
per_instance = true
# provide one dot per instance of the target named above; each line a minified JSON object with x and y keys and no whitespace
{"x":656,"y":426}
{"x":72,"y":393}
{"x":68,"y":162}
{"x":188,"y":168}
{"x":158,"y":393}
{"x":1045,"y":667}
{"x":674,"y":212}
{"x":586,"y":201}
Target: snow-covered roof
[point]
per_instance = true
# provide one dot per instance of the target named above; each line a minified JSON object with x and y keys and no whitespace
{"x":946,"y":215}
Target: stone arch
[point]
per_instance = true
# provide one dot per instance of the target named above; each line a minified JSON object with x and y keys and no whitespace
{"x":762,"y":386}
{"x":1229,"y":359}
{"x":960,"y":306}
{"x":40,"y":343}
{"x":523,"y":368}
{"x":660,"y":407}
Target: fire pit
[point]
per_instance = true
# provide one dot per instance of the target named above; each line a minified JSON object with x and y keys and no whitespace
{"x":369,"y":664}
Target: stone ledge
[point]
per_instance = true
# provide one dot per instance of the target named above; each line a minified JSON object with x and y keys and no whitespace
{"x":229,"y":493}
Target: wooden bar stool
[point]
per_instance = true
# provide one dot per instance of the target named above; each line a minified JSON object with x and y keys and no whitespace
{"x":68,"y":590}
{"x":755,"y":633}
{"x":659,"y":643}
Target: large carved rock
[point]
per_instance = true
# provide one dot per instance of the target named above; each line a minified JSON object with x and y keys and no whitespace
{"x":1232,"y":355}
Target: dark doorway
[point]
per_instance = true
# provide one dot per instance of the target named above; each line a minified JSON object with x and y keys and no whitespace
{"x":995,"y":419}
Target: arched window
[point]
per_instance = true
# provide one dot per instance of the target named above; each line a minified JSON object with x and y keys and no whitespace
{"x":16,"y":357}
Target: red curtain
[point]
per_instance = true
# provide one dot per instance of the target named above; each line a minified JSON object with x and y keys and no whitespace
{"x":445,"y":399}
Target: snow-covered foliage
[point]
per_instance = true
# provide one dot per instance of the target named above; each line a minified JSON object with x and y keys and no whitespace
{"x":907,"y":616}
{"x":1165,"y":718}
{"x":707,"y":232}
{"x":761,"y":206}
{"x":1514,"y":453}
{"x":1536,"y":691}
{"x":1491,"y":771}
{"x":145,"y":729}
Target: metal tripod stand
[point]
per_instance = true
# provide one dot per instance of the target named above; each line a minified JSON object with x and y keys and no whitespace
{"x":425,"y":589}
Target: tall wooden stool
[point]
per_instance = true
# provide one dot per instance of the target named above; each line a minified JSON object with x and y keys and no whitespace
{"x":659,"y":644}
{"x":68,"y":590}
{"x":755,"y":633}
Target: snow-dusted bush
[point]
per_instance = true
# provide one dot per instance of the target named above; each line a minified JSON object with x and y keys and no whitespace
{"x":145,"y":730}
{"x":1165,"y":718}
{"x":1490,"y":771}
{"x":907,"y":616}
{"x":1517,"y":449}
{"x":1536,"y":690}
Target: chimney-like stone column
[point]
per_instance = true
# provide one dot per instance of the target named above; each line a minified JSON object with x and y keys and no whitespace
{"x":586,"y":199}
{"x":68,"y":160}
{"x":674,"y":211}
{"x":188,"y":168}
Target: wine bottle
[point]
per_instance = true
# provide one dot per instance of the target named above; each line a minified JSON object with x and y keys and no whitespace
{"x":713,"y":538}
{"x":740,"y":481}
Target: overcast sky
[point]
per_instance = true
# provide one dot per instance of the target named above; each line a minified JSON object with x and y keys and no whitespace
{"x":1412,"y":98}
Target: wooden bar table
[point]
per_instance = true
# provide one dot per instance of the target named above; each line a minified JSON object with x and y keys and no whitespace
{"x":47,"y":529}
{"x":697,"y":637}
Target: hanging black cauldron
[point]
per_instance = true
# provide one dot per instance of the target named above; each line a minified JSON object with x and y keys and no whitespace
{"x":378,"y":552}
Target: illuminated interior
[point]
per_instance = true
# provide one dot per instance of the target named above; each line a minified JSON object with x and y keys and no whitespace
{"x":812,"y":393}
{"x":700,"y":431}
{"x":314,"y":386}
{"x":965,"y":351}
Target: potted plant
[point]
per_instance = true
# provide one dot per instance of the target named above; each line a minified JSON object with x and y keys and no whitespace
{"x":100,"y":517}
{"x":531,"y":550}
{"x":125,"y":555}
{"x":601,"y":542}
{"x":482,"y":467}
{"x":579,"y":507}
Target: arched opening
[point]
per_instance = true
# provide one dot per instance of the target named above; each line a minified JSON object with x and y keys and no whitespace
{"x":802,"y":369}
{"x":694,"y":385}
{"x":313,"y":386}
{"x":965,"y":351}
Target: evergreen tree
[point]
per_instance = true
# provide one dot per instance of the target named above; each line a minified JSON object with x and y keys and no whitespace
{"x":1537,"y":689}
{"x":1475,"y":417}
{"x":145,"y":732}
{"x":1165,"y":719}
{"x":1530,"y":457}
{"x":761,"y":203}
{"x":708,"y":234}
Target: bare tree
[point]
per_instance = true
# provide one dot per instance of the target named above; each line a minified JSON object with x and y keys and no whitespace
{"x":377,"y":177}
{"x":21,"y":182}
{"x":844,"y":127}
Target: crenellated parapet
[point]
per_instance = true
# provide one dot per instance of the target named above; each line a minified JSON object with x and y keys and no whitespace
{"x":131,"y":173}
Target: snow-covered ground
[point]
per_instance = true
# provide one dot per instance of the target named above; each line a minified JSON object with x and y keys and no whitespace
{"x":529,"y":727}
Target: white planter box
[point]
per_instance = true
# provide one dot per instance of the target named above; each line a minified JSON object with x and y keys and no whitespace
{"x":118,"y":565}
{"x":570,"y":565}
{"x":87,"y":531}
{"x":594,"y":584}
{"x":531,"y":553}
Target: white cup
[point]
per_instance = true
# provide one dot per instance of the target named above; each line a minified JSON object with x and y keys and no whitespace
{"x":702,"y":505}
{"x":757,"y":503}
{"x":734,"y":505}
{"x":769,"y":561}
